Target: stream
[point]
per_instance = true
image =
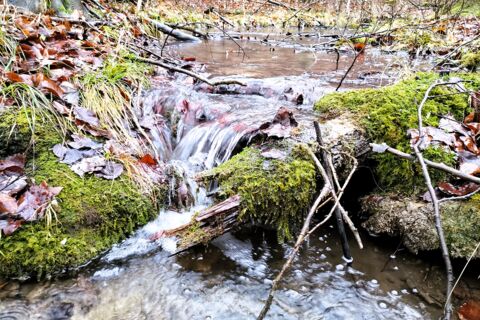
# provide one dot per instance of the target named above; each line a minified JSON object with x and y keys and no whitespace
{"x":230,"y":278}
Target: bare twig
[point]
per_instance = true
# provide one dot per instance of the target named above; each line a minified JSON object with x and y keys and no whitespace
{"x":190,"y":73}
{"x":436,"y":206}
{"x":325,"y":191}
{"x":464,"y":197}
{"x":305,"y":232}
{"x":330,"y":176}
{"x":380,"y":148}
{"x":357,"y":54}
{"x":457,"y":48}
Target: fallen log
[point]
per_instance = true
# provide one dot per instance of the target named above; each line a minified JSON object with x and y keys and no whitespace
{"x":177,"y":34}
{"x":207,"y":225}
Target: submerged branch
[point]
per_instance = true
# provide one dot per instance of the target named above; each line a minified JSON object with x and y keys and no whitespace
{"x":190,"y":73}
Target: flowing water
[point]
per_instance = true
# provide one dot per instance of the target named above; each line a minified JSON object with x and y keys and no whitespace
{"x":195,"y":129}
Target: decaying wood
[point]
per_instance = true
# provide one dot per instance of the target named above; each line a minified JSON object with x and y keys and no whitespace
{"x":194,"y":31}
{"x":177,"y":34}
{"x":208,"y":224}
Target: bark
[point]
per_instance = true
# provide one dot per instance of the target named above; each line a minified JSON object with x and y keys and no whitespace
{"x":208,"y":224}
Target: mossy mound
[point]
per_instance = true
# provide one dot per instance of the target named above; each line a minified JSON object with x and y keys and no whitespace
{"x":413,"y":221}
{"x":276,"y":193}
{"x":387,"y":113}
{"x":93,"y":213}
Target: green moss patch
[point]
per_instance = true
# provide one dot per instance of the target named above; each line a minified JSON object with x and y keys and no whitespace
{"x":387,"y":113}
{"x":93,"y":213}
{"x":461,"y":223}
{"x":277,"y":193}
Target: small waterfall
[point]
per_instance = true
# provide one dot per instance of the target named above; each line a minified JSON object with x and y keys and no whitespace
{"x":200,"y":144}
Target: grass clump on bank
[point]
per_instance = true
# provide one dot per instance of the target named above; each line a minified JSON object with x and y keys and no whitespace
{"x":276,"y":193}
{"x":387,"y":113}
{"x":93,"y":213}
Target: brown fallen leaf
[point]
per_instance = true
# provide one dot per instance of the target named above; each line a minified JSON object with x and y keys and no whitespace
{"x":9,"y":226}
{"x":19,"y":78}
{"x":470,"y":310}
{"x":148,"y":159}
{"x":461,"y":190}
{"x":15,"y":163}
{"x":470,"y":144}
{"x":469,"y":162}
{"x":86,"y":116}
{"x":282,"y":124}
{"x":8,"y":204}
{"x":32,"y":204}
{"x":43,"y":82}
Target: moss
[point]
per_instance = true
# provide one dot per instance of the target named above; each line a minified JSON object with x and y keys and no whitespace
{"x":94,"y":213}
{"x":273,"y":192}
{"x":386,"y":114}
{"x":461,"y":223}
{"x":414,"y":223}
{"x":471,"y":60}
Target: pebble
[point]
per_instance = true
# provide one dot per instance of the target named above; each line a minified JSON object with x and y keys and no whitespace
{"x":374,"y":281}
{"x":340,"y":267}
{"x":394,"y":292}
{"x":328,"y":249}
{"x":404,"y":291}
{"x":414,"y":290}
{"x":323,"y":257}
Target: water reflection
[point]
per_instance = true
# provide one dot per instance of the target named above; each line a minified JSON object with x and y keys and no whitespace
{"x":229,"y":280}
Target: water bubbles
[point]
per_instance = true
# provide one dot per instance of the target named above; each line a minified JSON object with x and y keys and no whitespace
{"x":392,"y":256}
{"x":404,"y":291}
{"x":394,"y":292}
{"x":267,"y":281}
{"x":321,"y":238}
{"x":339,"y":267}
{"x":374,"y":281}
{"x":382,"y":305}
{"x":395,"y":268}
{"x":328,"y":249}
{"x":414,"y":290}
{"x":323,"y":257}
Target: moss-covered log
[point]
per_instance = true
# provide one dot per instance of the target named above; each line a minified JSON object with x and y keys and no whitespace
{"x":93,"y":213}
{"x":386,"y":114}
{"x":273,"y":192}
